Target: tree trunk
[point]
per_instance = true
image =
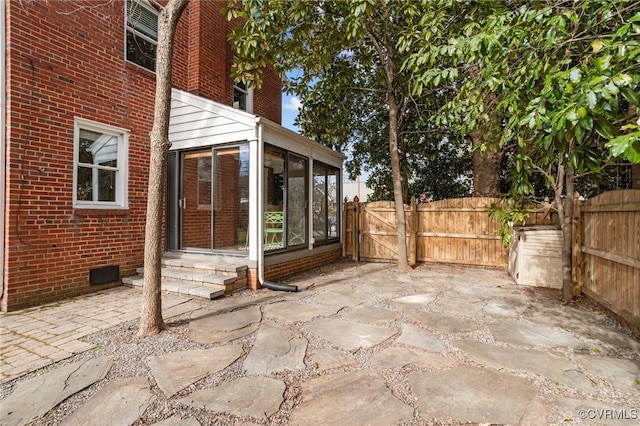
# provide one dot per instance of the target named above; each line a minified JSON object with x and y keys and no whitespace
{"x":386,"y":55}
{"x":486,"y":171}
{"x":487,"y":165}
{"x":151,"y":321}
{"x":565,"y":183}
{"x":403,"y":260}
{"x":567,"y":237}
{"x":635,"y":169}
{"x":635,"y":176}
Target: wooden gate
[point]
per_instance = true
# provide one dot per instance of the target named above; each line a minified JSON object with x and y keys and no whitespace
{"x":378,"y":234}
{"x":460,"y":231}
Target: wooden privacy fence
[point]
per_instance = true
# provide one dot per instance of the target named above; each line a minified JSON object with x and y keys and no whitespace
{"x":606,"y":251}
{"x":448,"y":231}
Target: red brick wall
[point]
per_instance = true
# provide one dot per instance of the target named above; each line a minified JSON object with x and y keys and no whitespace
{"x":291,"y":267}
{"x":64,"y":62}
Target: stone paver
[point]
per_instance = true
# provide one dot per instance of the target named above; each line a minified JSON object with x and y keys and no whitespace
{"x":396,"y":357}
{"x":598,"y":413}
{"x":177,"y":370}
{"x":623,"y":374}
{"x":22,"y":406}
{"x":370,"y":315}
{"x":520,"y":333}
{"x":421,"y":338}
{"x":423,"y":299}
{"x":178,"y":421}
{"x":444,"y":322}
{"x":274,"y":350}
{"x":349,"y":335}
{"x":342,"y":297}
{"x":355,"y":398}
{"x":207,"y":327}
{"x":258,"y":397}
{"x":120,"y":402}
{"x":555,"y":367}
{"x":473,"y":394}
{"x":590,"y":325}
{"x":327,"y":359}
{"x":294,"y":312}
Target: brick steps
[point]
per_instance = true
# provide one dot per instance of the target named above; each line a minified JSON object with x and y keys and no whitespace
{"x":199,"y":275}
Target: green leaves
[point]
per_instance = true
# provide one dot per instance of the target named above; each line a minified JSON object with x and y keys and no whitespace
{"x":627,"y":146}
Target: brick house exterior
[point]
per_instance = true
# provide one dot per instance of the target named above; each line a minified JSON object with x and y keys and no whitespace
{"x":66,"y":72}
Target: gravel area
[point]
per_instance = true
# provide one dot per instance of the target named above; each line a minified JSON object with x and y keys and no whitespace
{"x":130,"y":353}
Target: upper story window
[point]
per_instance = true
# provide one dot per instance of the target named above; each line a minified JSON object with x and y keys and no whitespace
{"x":142,"y":34}
{"x":242,"y":96}
{"x":100,"y":165}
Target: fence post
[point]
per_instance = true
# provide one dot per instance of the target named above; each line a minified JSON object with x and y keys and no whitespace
{"x":413,"y":225}
{"x":356,"y":228}
{"x":576,"y":252}
{"x":345,"y":221}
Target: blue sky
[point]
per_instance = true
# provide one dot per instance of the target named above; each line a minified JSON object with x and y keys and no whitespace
{"x":290,"y":107}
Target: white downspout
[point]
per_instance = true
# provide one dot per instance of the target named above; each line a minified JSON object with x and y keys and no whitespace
{"x":260,"y":224}
{"x":3,"y":134}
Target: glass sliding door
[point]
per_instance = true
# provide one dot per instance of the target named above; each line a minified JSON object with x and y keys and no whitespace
{"x":214,"y":199}
{"x":195,"y":200}
{"x":231,"y":202}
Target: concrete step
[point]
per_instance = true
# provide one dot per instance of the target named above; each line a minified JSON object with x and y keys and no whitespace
{"x":193,"y":275}
{"x":226,"y":265}
{"x":192,"y":288}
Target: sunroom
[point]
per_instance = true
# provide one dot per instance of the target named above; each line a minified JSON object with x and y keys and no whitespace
{"x":241,"y":185}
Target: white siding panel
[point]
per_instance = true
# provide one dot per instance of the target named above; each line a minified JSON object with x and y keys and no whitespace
{"x":212,"y":124}
{"x":194,"y":132}
{"x":198,"y":122}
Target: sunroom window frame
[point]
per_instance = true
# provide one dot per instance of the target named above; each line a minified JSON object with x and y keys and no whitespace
{"x":338,"y":173}
{"x":121,"y":170}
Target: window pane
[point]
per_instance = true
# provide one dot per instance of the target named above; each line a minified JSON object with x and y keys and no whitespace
{"x":96,"y":184}
{"x":239,"y":99}
{"x":319,"y":203}
{"x":98,"y":148}
{"x":204,"y":182}
{"x":296,"y":200}
{"x":106,"y":185}
{"x":141,"y":51}
{"x":274,"y":170}
{"x":84,"y":188}
{"x":232,"y":198}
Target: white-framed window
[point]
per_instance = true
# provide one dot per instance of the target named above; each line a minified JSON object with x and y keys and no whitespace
{"x":141,"y":34}
{"x":100,"y":171}
{"x":242,"y":96}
